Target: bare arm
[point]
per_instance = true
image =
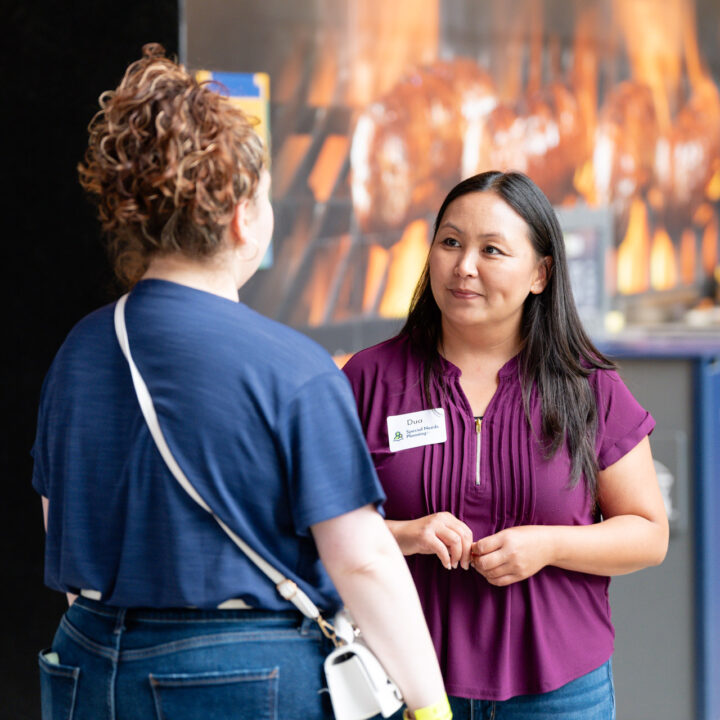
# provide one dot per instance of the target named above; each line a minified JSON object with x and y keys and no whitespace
{"x":633,"y":534}
{"x":46,"y":507}
{"x":373,"y":579}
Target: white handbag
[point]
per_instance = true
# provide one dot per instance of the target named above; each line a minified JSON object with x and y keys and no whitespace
{"x":359,"y":686}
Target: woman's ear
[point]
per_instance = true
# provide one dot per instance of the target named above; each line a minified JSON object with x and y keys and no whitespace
{"x":242,"y":240}
{"x":542,"y":276}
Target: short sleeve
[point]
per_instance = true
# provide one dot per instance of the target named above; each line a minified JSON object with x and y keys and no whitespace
{"x":330,"y":471}
{"x":622,"y":421}
{"x":354,"y":370}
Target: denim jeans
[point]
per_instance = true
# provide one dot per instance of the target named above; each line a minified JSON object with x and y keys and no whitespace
{"x":590,"y":697}
{"x":138,"y":664}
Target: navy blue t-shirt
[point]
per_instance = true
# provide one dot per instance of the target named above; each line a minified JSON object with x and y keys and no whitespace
{"x":258,"y":417}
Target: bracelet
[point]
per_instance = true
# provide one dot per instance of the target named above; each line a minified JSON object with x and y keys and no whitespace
{"x":438,"y":711}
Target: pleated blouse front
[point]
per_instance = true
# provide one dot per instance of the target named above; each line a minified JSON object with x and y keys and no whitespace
{"x":532,"y":636}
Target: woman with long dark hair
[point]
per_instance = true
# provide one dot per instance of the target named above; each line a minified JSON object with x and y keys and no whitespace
{"x":516,"y":463}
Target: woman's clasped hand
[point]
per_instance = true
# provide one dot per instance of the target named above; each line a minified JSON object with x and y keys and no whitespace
{"x":512,"y":554}
{"x":508,"y":556}
{"x":441,"y":534}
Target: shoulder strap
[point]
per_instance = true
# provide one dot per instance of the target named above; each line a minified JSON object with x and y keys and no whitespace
{"x":286,"y":587}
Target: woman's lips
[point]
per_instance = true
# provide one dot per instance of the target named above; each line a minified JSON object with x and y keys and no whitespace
{"x":464,"y":294}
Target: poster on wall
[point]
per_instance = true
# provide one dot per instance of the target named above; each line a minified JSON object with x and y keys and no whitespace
{"x":378,"y":109}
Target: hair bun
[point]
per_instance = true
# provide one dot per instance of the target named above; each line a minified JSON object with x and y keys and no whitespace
{"x":153,"y":50}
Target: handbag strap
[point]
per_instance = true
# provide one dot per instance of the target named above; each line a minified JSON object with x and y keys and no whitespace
{"x":286,"y":587}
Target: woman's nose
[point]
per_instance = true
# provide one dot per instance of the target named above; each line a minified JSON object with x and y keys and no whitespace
{"x":466,"y":265}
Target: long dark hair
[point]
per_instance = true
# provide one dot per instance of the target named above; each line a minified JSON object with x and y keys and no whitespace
{"x":557,"y":356}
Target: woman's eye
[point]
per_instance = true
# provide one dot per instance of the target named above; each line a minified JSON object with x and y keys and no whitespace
{"x":450,"y":242}
{"x":491,"y":250}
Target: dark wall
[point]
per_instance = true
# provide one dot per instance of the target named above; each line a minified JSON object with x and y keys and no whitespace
{"x":57,"y":57}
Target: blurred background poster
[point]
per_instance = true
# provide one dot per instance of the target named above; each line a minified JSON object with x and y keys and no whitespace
{"x":377,"y":109}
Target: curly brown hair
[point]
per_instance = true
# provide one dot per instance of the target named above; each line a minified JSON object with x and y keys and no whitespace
{"x":168,"y":160}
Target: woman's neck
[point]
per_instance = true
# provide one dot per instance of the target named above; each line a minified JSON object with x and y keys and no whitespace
{"x":468,"y":348}
{"x":212,"y":275}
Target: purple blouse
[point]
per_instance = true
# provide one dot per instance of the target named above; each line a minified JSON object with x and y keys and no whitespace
{"x":532,"y":636}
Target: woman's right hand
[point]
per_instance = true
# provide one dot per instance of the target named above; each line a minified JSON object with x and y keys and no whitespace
{"x":440,"y":534}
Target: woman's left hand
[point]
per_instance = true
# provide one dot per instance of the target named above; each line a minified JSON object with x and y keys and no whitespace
{"x":512,"y":554}
{"x":632,"y":535}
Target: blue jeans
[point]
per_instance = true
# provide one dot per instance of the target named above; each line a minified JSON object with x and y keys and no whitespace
{"x":118,"y":664}
{"x":590,"y":697}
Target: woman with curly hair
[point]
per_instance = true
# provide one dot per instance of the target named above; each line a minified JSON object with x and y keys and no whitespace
{"x":167,"y":617}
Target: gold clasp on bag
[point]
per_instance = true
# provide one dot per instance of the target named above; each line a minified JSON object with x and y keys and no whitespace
{"x":328,"y":630}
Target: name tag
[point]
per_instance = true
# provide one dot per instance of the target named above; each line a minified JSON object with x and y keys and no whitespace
{"x":410,"y":430}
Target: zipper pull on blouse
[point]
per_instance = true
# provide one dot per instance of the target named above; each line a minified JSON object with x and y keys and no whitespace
{"x":478,"y":423}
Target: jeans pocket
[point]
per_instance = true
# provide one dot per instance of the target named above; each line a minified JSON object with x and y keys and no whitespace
{"x":229,"y":695}
{"x":58,"y":687}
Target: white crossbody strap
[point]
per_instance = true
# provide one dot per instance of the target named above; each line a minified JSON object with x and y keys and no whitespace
{"x":286,"y":587}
